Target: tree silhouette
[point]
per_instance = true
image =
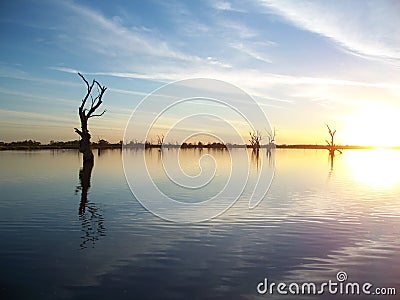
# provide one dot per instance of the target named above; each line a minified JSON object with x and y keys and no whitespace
{"x":86,"y":111}
{"x":92,"y":222}
{"x":271,"y":140}
{"x":160,"y":140}
{"x":255,"y":139}
{"x":331,"y":144}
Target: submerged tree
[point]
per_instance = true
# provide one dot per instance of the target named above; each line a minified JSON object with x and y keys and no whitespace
{"x":331,"y":144}
{"x":255,"y":139}
{"x":92,"y":222}
{"x":86,"y":111}
{"x":160,"y":140}
{"x":271,"y":138}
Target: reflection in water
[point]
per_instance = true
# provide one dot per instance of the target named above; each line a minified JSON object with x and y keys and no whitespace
{"x":305,"y":230}
{"x":377,"y":168}
{"x":255,"y":158}
{"x":331,"y":161}
{"x":331,"y":158}
{"x":90,"y":215}
{"x":269,"y":155}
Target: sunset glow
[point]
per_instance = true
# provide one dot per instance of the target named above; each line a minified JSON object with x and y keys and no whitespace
{"x":376,"y":168}
{"x":373,"y":125}
{"x":305,"y":63}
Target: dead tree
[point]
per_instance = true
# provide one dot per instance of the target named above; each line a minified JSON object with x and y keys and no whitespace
{"x":86,"y":111}
{"x":160,"y":140}
{"x":271,"y":138}
{"x":255,"y":139}
{"x":331,"y":144}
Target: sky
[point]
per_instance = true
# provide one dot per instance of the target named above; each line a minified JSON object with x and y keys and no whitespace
{"x":305,"y":63}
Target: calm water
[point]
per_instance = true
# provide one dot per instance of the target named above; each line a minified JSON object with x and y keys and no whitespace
{"x":316,"y":220}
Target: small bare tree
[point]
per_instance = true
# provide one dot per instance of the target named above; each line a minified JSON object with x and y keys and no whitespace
{"x":331,"y":145}
{"x":86,"y":111}
{"x":160,"y":140}
{"x":271,"y":137}
{"x":255,"y":139}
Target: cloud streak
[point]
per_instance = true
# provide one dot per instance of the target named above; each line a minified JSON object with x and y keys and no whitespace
{"x":254,"y":78}
{"x":351,"y":34}
{"x":88,"y":30}
{"x":367,"y":28}
{"x":109,"y":37}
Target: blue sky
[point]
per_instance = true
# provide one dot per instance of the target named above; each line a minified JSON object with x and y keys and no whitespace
{"x":305,"y":63}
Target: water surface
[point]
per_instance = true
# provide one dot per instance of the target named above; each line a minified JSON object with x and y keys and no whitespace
{"x":319,"y":217}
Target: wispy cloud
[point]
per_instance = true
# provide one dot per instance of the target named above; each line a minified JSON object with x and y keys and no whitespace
{"x":137,"y":47}
{"x":117,"y":40}
{"x":225,"y":6}
{"x":108,"y":36}
{"x":238,"y":29}
{"x":251,"y":51}
{"x":21,"y":75}
{"x":222,"y":5}
{"x":287,"y":92}
{"x":254,"y":78}
{"x":29,"y":96}
{"x":367,"y":28}
{"x":35,"y":117}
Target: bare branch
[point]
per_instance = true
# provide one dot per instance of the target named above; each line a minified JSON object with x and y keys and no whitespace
{"x":255,"y":138}
{"x":89,"y":91}
{"x":98,"y":99}
{"x":271,"y":135}
{"x":97,"y":115}
{"x":78,"y":131}
{"x":84,"y":79}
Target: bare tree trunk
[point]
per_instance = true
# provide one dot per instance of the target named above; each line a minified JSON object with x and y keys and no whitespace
{"x":85,"y":146}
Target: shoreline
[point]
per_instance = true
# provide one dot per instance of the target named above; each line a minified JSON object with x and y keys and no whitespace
{"x":118,"y":146}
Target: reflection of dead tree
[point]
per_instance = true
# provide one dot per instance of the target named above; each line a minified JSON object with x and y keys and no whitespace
{"x":331,"y":145}
{"x":90,"y":216}
{"x":255,"y":139}
{"x":85,"y":174}
{"x":331,"y":159}
{"x":85,"y":113}
{"x":269,"y":156}
{"x":255,"y":157}
{"x":92,"y":225}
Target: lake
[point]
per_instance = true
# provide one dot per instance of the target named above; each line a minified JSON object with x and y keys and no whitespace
{"x":61,"y":239}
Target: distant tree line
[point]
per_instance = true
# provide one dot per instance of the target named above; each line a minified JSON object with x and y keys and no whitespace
{"x":73,"y":144}
{"x":27,"y":144}
{"x":201,"y":145}
{"x":160,"y":143}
